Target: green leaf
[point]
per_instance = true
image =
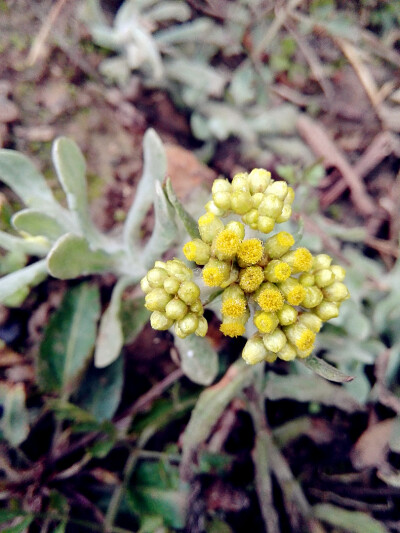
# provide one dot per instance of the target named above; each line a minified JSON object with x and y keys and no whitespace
{"x":14,"y":287}
{"x":37,"y":223}
{"x":71,"y":257}
{"x":325,"y":370}
{"x":22,"y":526}
{"x":188,"y":221}
{"x":30,"y":246}
{"x":134,"y":316}
{"x":309,"y":389}
{"x":110,"y":338}
{"x":7,"y":514}
{"x":349,"y":521}
{"x":154,"y":169}
{"x":210,"y":406}
{"x":199,"y":360}
{"x":14,"y":422}
{"x":68,"y":411}
{"x":68,"y":341}
{"x":100,"y":390}
{"x":17,"y":171}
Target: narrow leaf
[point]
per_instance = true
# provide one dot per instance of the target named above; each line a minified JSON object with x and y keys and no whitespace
{"x":15,"y":286}
{"x":71,"y":257}
{"x":188,"y":221}
{"x":349,"y":521}
{"x":170,"y":504}
{"x":68,"y":341}
{"x":37,"y":223}
{"x":325,"y":370}
{"x":155,"y":169}
{"x":29,"y":246}
{"x":14,"y":422}
{"x":22,"y":526}
{"x":199,"y":360}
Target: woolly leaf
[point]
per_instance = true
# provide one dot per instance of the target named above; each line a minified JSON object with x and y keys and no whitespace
{"x":325,"y":370}
{"x":188,"y":221}
{"x":199,"y":360}
{"x":37,"y":223}
{"x":14,"y":287}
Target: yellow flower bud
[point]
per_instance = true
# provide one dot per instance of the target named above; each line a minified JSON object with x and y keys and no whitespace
{"x":265,"y":322}
{"x":220,"y":185}
{"x":216,"y":272}
{"x":336,"y":292}
{"x":188,"y":324}
{"x":202,"y":327}
{"x":312,"y":298}
{"x":171,"y":285}
{"x":300,"y":260}
{"x":301,"y":336}
{"x":249,"y":252}
{"x":285,"y":215}
{"x":234,"y":327}
{"x":209,"y":226}
{"x":289,"y":198}
{"x":278,"y":188}
{"x":265,"y":224}
{"x":307,"y":279}
{"x":189,"y":292}
{"x":251,"y":217}
{"x":327,"y":310}
{"x":277,"y":271}
{"x":234,"y":302}
{"x":177,"y":268}
{"x":254,"y":351}
{"x":240,"y":182}
{"x":241,"y":202}
{"x":259,"y":180}
{"x":160,"y":321}
{"x":277,"y":245}
{"x":321,"y":261}
{"x":178,"y":332}
{"x":269,"y":297}
{"x":302,"y":354}
{"x":339,"y":272}
{"x":197,"y":307}
{"x":197,"y":251}
{"x":250,"y":278}
{"x":275,"y":341}
{"x":293,"y":291}
{"x":287,"y":315}
{"x":311,"y":321}
{"x":211,"y":207}
{"x":256,"y":199}
{"x":156,"y":277}
{"x":157,"y":299}
{"x":237,"y":227}
{"x":176,"y":309}
{"x":288,"y":352}
{"x":324,"y":277}
{"x":144,"y":285}
{"x":271,"y":206}
{"x":222,"y":200}
{"x":225,"y":244}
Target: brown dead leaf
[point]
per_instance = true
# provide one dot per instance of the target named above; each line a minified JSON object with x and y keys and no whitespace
{"x":186,"y":171}
{"x":372,"y":447}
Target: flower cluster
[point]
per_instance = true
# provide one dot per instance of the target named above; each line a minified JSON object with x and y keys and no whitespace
{"x":286,"y":291}
{"x":259,"y":200}
{"x":174,"y":299}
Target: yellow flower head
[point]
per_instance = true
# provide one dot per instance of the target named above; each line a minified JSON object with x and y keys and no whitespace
{"x":265,"y":322}
{"x":233,"y":307}
{"x":300,"y":260}
{"x":226,"y":244}
{"x":250,"y":252}
{"x":279,"y":244}
{"x":197,"y":251}
{"x":270,"y":298}
{"x":294,"y":292}
{"x":277,"y":271}
{"x":301,"y":336}
{"x":250,"y":278}
{"x":232,"y":329}
{"x":215,"y":272}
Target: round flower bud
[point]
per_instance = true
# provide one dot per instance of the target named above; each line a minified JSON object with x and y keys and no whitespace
{"x":327,"y":310}
{"x":302,"y":354}
{"x":171,"y":285}
{"x":241,"y":202}
{"x":249,"y":252}
{"x":287,"y":315}
{"x":288,"y":352}
{"x":178,"y":332}
{"x":265,"y":224}
{"x":321,"y":261}
{"x":197,"y":251}
{"x":209,"y":226}
{"x":225,"y":244}
{"x":220,"y":185}
{"x":271,"y":206}
{"x":237,"y":227}
{"x":265,"y":322}
{"x":275,"y":341}
{"x":157,"y":299}
{"x":189,"y":292}
{"x":307,"y":279}
{"x":222,"y":200}
{"x":285,"y":215}
{"x":234,"y":302}
{"x":211,"y":207}
{"x":240,"y":182}
{"x":250,"y":278}
{"x":197,"y":307}
{"x":234,"y":327}
{"x":336,"y":292}
{"x":269,"y":297}
{"x":188,"y":324}
{"x":216,"y":272}
{"x":277,"y":245}
{"x":256,"y":199}
{"x":144,"y":285}
{"x":254,"y":351}
{"x":177,"y":268}
{"x":278,"y":188}
{"x":251,"y":217}
{"x":277,"y":271}
{"x":293,"y":291}
{"x":324,"y":277}
{"x":311,"y":321}
{"x":156,"y":277}
{"x":176,"y":309}
{"x":160,"y":321}
{"x":300,"y":260}
{"x":202,"y":327}
{"x":312,"y":298}
{"x":339,"y":272}
{"x":259,"y":180}
{"x":301,"y":336}
{"x":159,"y":264}
{"x":289,"y":198}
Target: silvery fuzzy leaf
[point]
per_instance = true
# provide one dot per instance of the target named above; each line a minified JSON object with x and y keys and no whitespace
{"x":14,"y":420}
{"x":116,"y":69}
{"x":169,"y":10}
{"x":325,"y":370}
{"x":14,"y":287}
{"x":187,"y":220}
{"x":190,"y":32}
{"x":199,"y":360}
{"x":37,"y":223}
{"x":204,"y":78}
{"x":31,"y":245}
